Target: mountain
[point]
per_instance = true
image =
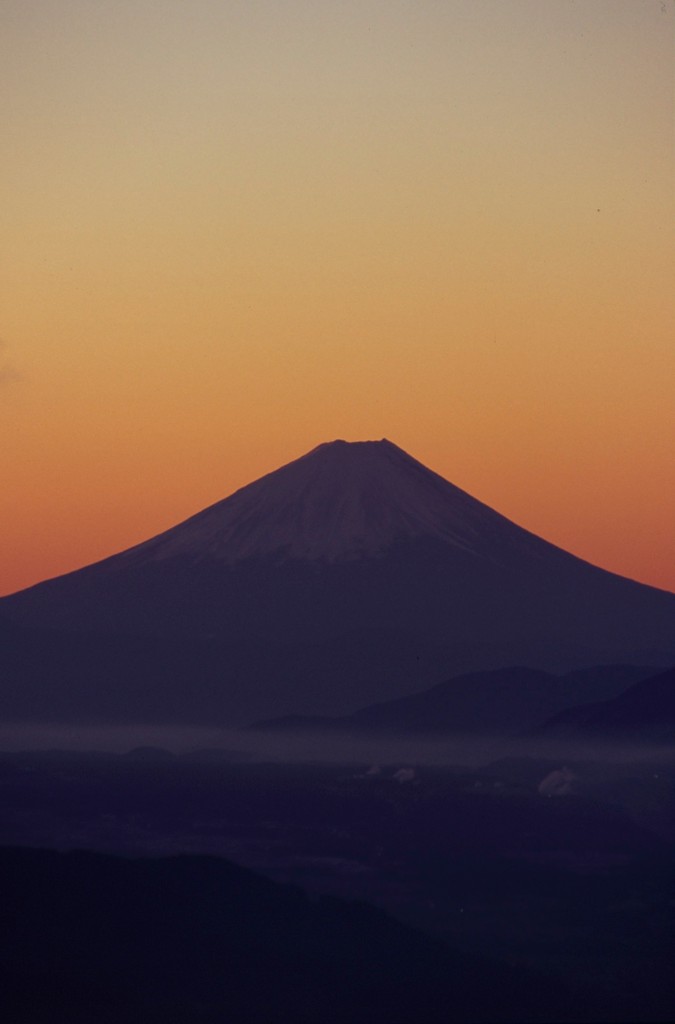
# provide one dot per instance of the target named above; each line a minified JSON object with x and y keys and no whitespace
{"x":643,"y":712}
{"x":351,"y":575}
{"x":92,"y":937}
{"x":504,"y":702}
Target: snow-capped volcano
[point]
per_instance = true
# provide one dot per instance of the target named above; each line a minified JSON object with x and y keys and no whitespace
{"x":352,"y":575}
{"x":340,"y":501}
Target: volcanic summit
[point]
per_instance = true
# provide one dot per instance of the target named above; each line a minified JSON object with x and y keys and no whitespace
{"x":341,"y":501}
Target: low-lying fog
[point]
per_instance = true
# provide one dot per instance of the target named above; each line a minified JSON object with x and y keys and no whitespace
{"x":468,"y":751}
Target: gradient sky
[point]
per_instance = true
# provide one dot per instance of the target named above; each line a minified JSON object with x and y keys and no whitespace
{"x":234,"y":230}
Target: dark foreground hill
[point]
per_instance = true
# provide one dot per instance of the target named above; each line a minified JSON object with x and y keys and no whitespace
{"x":87,"y":937}
{"x":352,"y":575}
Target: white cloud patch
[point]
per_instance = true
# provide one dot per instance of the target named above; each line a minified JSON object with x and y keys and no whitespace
{"x":558,"y":783}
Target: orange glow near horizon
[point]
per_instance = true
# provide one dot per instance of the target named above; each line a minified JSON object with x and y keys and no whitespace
{"x":237,"y":231}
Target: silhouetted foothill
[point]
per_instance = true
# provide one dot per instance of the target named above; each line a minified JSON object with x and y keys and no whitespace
{"x":90,"y":937}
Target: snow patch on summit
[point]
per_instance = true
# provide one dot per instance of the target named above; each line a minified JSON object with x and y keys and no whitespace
{"x":341,"y":501}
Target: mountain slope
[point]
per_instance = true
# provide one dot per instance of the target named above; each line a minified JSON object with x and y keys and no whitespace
{"x":340,"y":501}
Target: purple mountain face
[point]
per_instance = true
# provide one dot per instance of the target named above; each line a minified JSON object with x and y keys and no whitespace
{"x":341,"y":502}
{"x":351,"y":575}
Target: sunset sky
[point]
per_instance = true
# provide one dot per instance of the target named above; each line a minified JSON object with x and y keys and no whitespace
{"x":234,"y":230}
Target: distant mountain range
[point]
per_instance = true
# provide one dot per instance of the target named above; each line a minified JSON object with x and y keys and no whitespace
{"x":350,"y":576}
{"x":504,"y":702}
{"x":645,"y":711}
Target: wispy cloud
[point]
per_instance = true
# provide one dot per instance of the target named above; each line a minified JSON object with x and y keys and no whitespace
{"x":9,"y":375}
{"x":8,"y":371}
